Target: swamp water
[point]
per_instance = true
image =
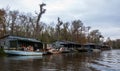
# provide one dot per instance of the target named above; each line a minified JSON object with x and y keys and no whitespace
{"x":90,"y":61}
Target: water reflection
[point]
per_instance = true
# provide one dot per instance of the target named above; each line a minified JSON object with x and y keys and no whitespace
{"x":102,"y":61}
{"x":23,"y":57}
{"x":108,"y":61}
{"x":70,"y":62}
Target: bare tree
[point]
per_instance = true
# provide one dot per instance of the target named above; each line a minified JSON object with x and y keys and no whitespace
{"x":87,"y":29}
{"x":76,"y":29}
{"x":41,"y":12}
{"x":13,"y":15}
{"x":2,"y":22}
{"x":64,"y":31}
{"x":58,"y":28}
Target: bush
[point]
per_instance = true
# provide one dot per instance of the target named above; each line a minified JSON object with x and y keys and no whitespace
{"x":2,"y":53}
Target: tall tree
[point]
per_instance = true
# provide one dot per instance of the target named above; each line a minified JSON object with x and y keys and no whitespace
{"x":95,"y":36}
{"x":25,"y":26}
{"x":64,"y":31}
{"x":76,"y":28}
{"x":41,"y":12}
{"x":109,"y":41}
{"x":58,"y":28}
{"x":87,"y":29}
{"x":2,"y":22}
{"x":14,"y":16}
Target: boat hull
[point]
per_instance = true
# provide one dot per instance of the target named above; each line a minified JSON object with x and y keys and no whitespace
{"x":96,"y":50}
{"x":23,"y":53}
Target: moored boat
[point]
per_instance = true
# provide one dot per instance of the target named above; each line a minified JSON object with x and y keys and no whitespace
{"x":54,"y":51}
{"x":96,"y":50}
{"x":23,"y":53}
{"x":92,"y":47}
{"x":15,"y":45}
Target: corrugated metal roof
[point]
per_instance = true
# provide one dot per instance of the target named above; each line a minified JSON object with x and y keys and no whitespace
{"x":21,"y":38}
{"x":90,"y":44}
{"x":66,"y":43}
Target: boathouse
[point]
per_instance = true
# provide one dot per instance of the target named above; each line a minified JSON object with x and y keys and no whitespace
{"x":67,"y":44}
{"x":91,"y":46}
{"x":16,"y":42}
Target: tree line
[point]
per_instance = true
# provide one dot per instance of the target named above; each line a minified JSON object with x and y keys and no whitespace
{"x":28,"y":25}
{"x":115,"y":44}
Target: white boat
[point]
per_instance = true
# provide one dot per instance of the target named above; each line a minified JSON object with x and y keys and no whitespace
{"x":23,"y":53}
{"x":64,"y":50}
{"x":96,"y":50}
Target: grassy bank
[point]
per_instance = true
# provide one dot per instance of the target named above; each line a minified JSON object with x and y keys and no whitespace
{"x":2,"y":53}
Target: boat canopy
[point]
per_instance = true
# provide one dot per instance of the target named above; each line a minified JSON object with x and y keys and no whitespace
{"x":22,"y":39}
{"x":18,"y":42}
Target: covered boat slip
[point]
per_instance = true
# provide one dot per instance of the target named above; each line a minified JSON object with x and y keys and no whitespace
{"x":92,"y":47}
{"x":67,"y":46}
{"x":20,"y":42}
{"x":21,"y":46}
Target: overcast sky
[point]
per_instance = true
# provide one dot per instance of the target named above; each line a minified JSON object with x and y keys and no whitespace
{"x":99,"y":14}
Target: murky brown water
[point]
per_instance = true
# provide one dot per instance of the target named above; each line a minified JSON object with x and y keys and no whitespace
{"x":102,"y":61}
